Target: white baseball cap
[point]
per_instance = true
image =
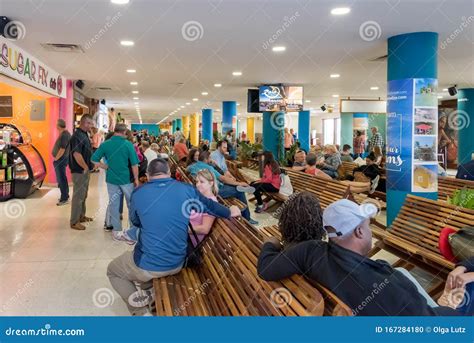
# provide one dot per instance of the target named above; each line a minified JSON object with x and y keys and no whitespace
{"x":345,"y":216}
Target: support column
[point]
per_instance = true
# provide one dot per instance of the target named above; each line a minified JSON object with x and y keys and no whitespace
{"x":194,"y":129}
{"x":179,"y":125}
{"x":304,"y":134}
{"x":173,"y":128}
{"x":229,"y":111}
{"x":273,"y":126}
{"x":207,"y":124}
{"x":251,"y":129}
{"x":185,"y":128}
{"x":465,"y":127}
{"x":412,"y":166}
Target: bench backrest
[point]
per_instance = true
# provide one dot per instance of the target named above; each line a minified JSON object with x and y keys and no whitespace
{"x":327,"y":191}
{"x":346,"y":168}
{"x":448,"y":185}
{"x":420,"y":221}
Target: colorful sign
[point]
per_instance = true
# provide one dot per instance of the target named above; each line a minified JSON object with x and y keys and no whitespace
{"x":21,"y":66}
{"x":280,"y":98}
{"x":412,"y":116}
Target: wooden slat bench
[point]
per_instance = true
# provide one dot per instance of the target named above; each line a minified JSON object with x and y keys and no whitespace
{"x":414,"y":234}
{"x":346,"y":169}
{"x":227,"y":284}
{"x":327,"y":191}
{"x":448,"y":185}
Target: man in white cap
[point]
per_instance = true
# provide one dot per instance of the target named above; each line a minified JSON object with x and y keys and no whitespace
{"x":368,"y":287}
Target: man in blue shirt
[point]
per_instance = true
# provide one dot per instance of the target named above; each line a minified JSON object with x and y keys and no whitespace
{"x":229,"y":187}
{"x":218,"y":155}
{"x":160,"y":209}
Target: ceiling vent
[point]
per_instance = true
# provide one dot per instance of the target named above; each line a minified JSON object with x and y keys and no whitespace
{"x":103,"y":89}
{"x":60,"y":47}
{"x":382,"y":58}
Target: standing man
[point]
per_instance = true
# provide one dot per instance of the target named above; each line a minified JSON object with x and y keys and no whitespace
{"x":119,"y":153}
{"x":60,"y":154}
{"x":375,"y":140}
{"x":80,"y":165}
{"x":178,"y":135}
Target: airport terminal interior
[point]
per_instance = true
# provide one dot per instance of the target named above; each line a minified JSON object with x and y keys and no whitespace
{"x":236,"y":158}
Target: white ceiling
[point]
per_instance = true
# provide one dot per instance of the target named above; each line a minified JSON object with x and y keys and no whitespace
{"x":233,"y":35}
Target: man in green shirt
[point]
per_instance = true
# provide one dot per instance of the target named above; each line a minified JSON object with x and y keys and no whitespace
{"x":121,"y":173}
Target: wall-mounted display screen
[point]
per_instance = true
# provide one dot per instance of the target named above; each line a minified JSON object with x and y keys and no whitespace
{"x":281,"y":98}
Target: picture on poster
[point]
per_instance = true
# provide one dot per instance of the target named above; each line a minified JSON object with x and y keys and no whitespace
{"x":425,"y":128}
{"x":425,"y":178}
{"x":426,"y":92}
{"x":426,"y":114}
{"x":424,"y":149}
{"x":448,"y":136}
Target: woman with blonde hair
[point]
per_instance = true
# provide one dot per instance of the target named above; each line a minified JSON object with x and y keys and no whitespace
{"x":331,"y":162}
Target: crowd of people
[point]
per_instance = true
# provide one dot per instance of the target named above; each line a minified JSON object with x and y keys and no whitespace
{"x":165,"y":215}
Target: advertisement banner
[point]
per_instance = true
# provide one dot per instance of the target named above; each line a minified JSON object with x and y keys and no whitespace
{"x":24,"y":67}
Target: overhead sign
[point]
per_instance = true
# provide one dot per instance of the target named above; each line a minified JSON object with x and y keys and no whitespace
{"x":24,"y":67}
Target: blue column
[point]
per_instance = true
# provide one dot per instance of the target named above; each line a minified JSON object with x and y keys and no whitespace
{"x":465,"y":122}
{"x":207,"y":124}
{"x":229,"y":110}
{"x":412,"y":82}
{"x":273,"y":126}
{"x":304,"y":134}
{"x":180,"y":125}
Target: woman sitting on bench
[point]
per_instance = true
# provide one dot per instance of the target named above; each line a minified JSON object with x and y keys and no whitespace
{"x":270,"y":182}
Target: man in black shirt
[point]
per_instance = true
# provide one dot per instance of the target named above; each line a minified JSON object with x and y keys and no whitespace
{"x":80,"y":165}
{"x":368,"y":287}
{"x":60,"y":155}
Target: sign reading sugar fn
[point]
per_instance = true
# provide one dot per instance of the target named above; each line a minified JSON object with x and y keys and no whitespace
{"x":21,"y":66}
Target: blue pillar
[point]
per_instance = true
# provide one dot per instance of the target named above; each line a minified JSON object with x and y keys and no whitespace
{"x":304,"y":134}
{"x":229,"y":111}
{"x":412,"y":82}
{"x":465,"y":122}
{"x":174,"y":126}
{"x":273,"y":126}
{"x":180,"y":125}
{"x":207,"y":124}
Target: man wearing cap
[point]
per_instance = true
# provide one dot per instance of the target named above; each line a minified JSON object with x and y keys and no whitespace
{"x":60,"y":154}
{"x":368,"y":287}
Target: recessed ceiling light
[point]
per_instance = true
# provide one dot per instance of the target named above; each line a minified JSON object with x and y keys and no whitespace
{"x":127,"y":43}
{"x":182,"y":106}
{"x":340,"y":10}
{"x":134,"y":83}
{"x":136,"y":98}
{"x":334,"y":76}
{"x":237,"y":73}
{"x":131,"y":71}
{"x":238,"y":104}
{"x":135,"y":92}
{"x":195,"y":99}
{"x":217,"y":110}
{"x":204,"y":93}
{"x":217,"y":85}
{"x":307,"y":101}
{"x":445,"y":89}
{"x":136,"y":103}
{"x":335,"y":95}
{"x":188,"y":103}
{"x":375,"y":88}
{"x":278,"y":48}
{"x":120,"y":2}
{"x":440,"y":97}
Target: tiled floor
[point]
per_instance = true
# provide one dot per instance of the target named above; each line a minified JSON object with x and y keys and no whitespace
{"x":48,"y":269}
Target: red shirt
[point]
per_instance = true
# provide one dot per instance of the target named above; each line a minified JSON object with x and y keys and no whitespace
{"x":269,"y":177}
{"x":181,"y":150}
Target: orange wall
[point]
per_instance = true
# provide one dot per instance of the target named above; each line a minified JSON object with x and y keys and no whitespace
{"x":39,"y":130}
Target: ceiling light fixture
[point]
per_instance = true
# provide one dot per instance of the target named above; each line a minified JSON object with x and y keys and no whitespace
{"x":131,"y":71}
{"x":135,"y":92}
{"x":335,"y":95}
{"x":195,"y":99}
{"x":204,"y":93}
{"x":217,"y":85}
{"x":127,"y":43}
{"x":340,"y":10}
{"x":120,"y":2}
{"x":136,"y":98}
{"x":237,"y":73}
{"x":334,"y":76}
{"x":375,"y":88}
{"x":134,"y":83}
{"x":278,"y":48}
{"x":307,"y":101}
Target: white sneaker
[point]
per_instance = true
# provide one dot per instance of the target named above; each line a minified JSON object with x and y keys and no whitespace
{"x":142,"y":297}
{"x":245,"y":189}
{"x":120,"y":237}
{"x":374,"y":184}
{"x":127,"y":239}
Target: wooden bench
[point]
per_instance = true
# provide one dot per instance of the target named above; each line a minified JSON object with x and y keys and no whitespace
{"x":448,"y":185}
{"x":414,"y":234}
{"x":227,"y":284}
{"x":327,"y":191}
{"x":346,"y":169}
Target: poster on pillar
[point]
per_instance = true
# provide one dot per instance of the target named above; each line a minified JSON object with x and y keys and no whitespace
{"x":412,"y":115}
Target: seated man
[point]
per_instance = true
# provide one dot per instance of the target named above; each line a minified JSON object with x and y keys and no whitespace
{"x":300,"y":160}
{"x":311,"y":167}
{"x":368,"y":287}
{"x":218,"y":156}
{"x":229,"y":187}
{"x":346,"y":155}
{"x":157,"y":211}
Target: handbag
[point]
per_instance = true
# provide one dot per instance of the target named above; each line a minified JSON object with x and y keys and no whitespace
{"x":462,"y":243}
{"x":193,"y":253}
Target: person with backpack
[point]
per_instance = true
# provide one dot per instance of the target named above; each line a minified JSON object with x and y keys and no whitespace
{"x":161,"y":209}
{"x":270,"y":182}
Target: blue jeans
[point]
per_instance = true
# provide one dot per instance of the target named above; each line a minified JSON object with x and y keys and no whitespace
{"x":133,"y":232}
{"x":331,"y":173}
{"x":116,"y":192}
{"x":228,"y":191}
{"x":61,"y":177}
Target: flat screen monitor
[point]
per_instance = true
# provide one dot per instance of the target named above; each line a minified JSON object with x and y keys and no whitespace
{"x":253,"y":104}
{"x":280,"y":98}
